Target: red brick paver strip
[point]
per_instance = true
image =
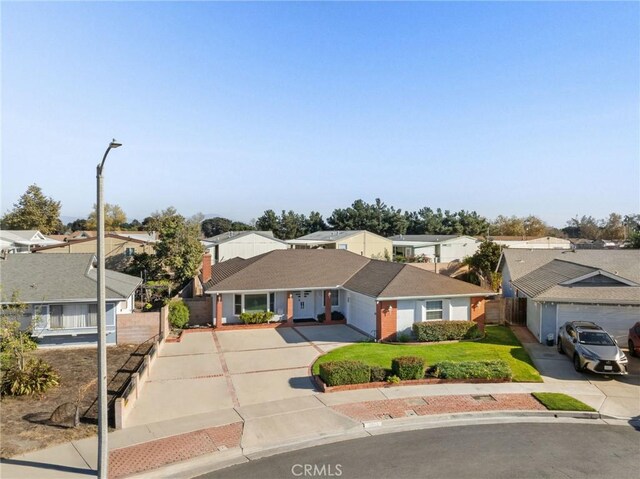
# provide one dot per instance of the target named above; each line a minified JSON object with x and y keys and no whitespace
{"x":424,"y":406}
{"x":155,"y":454}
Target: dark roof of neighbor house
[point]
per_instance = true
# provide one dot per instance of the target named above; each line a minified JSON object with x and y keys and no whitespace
{"x":552,"y":282}
{"x":622,"y":262}
{"x":320,"y":268}
{"x":232,"y":235}
{"x":37,"y":278}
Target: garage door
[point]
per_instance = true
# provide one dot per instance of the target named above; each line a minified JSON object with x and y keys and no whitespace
{"x":616,"y":320}
{"x":362,"y":312}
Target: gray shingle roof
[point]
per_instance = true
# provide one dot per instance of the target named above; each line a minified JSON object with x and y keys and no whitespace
{"x":333,"y":235}
{"x":59,"y":277}
{"x":549,"y":275}
{"x":423,"y":238}
{"x":623,"y":262}
{"x":319,"y":268}
{"x":232,"y":235}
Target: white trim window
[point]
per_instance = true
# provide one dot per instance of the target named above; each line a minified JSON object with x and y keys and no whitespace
{"x":335,"y":298}
{"x":252,"y":303}
{"x":434,"y":311}
{"x":73,"y":316}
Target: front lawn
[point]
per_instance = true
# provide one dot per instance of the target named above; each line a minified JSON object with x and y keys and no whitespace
{"x":561,"y":402}
{"x":499,"y":343}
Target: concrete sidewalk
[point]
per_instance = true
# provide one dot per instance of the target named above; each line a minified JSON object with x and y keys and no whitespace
{"x":256,"y":430}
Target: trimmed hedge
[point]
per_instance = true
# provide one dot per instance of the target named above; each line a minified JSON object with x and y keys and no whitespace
{"x":445,"y":330}
{"x":408,"y":367}
{"x":335,"y":316}
{"x":378,"y":374}
{"x":256,"y":318}
{"x":494,"y":369}
{"x":338,"y":373}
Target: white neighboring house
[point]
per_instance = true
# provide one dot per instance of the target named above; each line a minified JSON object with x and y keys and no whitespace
{"x":241,"y":244}
{"x":438,"y":248}
{"x":23,"y":241}
{"x":542,"y":242}
{"x":602,"y":286}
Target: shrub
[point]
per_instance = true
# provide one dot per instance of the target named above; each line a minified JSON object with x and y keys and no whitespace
{"x":335,"y":316}
{"x":337,"y":373}
{"x":495,"y":369}
{"x":36,"y":378}
{"x":178,"y":314}
{"x":378,"y":374}
{"x":404,"y":338}
{"x":446,"y":330}
{"x":408,"y":367}
{"x":257,"y":317}
{"x":393,"y":380}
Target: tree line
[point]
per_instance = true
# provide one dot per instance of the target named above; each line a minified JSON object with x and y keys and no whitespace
{"x":36,"y":211}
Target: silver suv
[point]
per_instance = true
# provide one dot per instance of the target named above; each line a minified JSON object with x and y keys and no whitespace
{"x":591,"y":348}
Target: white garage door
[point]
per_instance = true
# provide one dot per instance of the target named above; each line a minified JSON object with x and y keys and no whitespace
{"x":616,"y":320}
{"x":362,"y":312}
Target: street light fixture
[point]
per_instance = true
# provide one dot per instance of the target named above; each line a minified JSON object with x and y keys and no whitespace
{"x":103,"y":424}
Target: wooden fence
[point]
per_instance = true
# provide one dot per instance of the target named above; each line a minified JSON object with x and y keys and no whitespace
{"x":506,"y":311}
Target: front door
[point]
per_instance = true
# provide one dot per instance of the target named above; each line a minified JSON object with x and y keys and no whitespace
{"x":302,"y":305}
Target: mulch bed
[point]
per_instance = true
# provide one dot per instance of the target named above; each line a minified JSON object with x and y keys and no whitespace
{"x":23,"y":420}
{"x":408,"y":382}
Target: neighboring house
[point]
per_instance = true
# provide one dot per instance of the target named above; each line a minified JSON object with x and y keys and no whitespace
{"x":60,"y":293}
{"x":119,"y":250}
{"x":23,"y":241}
{"x":146,"y":236}
{"x":602,"y":286}
{"x":437,"y":248}
{"x":359,"y":242}
{"x":241,"y":244}
{"x":581,"y":243}
{"x":541,"y":242}
{"x":379,"y":298}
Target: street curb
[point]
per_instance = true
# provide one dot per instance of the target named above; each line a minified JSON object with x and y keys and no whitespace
{"x":221,"y":460}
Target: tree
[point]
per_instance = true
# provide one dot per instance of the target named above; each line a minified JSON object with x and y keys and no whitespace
{"x":316,"y":223}
{"x":178,"y":251}
{"x":534,"y":226}
{"x":508,"y":226}
{"x":633,"y":241}
{"x":269,"y":221}
{"x":215,"y":226}
{"x":484,"y":262}
{"x":613,"y":228}
{"x":34,"y":211}
{"x":240,"y":226}
{"x":586,"y":227}
{"x":77,"y":225}
{"x":114,"y":218}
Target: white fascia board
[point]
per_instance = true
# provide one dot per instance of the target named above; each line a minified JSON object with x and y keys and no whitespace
{"x":595,"y":273}
{"x":439,"y":296}
{"x":270,"y":290}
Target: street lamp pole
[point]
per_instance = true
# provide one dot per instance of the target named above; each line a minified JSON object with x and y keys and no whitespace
{"x":103,"y":424}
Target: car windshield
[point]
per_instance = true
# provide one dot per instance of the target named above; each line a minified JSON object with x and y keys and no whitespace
{"x":596,"y":338}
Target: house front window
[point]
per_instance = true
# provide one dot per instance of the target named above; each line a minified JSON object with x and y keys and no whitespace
{"x":72,"y":316}
{"x":434,"y":310}
{"x":255,"y":302}
{"x":335,"y":298}
{"x":129,"y":252}
{"x":237,"y":308}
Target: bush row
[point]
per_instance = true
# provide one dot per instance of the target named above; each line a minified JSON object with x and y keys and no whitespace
{"x":257,"y":317}
{"x":335,"y":316}
{"x":495,"y":369}
{"x":445,"y":330}
{"x":338,"y":373}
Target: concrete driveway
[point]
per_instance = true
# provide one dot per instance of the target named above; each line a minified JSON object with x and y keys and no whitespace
{"x":620,"y":394}
{"x":210,"y":371}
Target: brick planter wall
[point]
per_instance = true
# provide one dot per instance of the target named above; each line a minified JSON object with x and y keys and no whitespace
{"x":136,"y":328}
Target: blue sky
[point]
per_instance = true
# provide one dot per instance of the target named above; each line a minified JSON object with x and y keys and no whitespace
{"x":502,"y":108}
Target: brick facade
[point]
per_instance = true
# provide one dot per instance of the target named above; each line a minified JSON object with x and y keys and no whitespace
{"x":218,"y":309}
{"x":289,"y":313}
{"x":327,"y":305}
{"x":386,"y":320}
{"x":477,"y":311}
{"x":206,"y":268}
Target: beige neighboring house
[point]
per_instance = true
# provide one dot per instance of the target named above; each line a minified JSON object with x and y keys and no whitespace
{"x":523,"y":242}
{"x":119,"y":250}
{"x":241,"y":244}
{"x":359,"y":242}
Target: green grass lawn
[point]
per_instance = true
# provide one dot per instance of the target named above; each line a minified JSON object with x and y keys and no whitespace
{"x":561,"y":402}
{"x":499,"y":343}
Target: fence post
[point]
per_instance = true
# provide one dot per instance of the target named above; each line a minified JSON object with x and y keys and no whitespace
{"x":134,"y":381}
{"x":119,"y":412}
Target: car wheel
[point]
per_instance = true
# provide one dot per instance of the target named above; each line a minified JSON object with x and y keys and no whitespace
{"x":632,"y":350}
{"x":576,"y":363}
{"x":560,"y":348}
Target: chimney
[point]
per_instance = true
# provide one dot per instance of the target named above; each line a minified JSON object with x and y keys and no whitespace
{"x":206,"y":267}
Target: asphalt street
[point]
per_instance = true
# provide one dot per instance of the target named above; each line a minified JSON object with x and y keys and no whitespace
{"x":511,"y":451}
